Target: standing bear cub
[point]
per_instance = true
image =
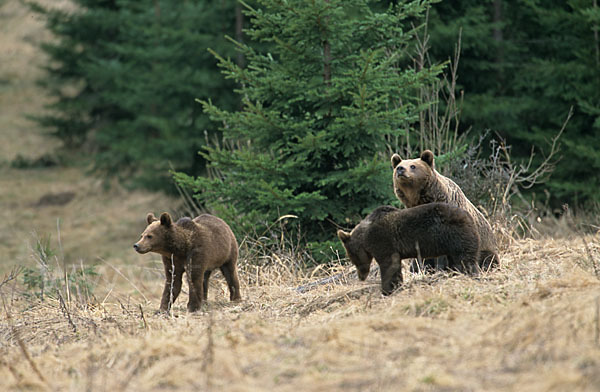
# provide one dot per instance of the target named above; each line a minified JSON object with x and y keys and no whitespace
{"x":389,"y":235}
{"x":416,"y":182}
{"x":195,"y":247}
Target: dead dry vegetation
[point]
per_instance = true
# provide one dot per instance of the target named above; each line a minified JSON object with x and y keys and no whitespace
{"x":533,"y":324}
{"x":530,"y":325}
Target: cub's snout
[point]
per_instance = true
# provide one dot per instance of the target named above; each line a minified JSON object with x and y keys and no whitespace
{"x":139,"y":248}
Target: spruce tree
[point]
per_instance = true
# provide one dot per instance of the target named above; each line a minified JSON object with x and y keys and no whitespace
{"x":320,"y":109}
{"x":125,"y":74}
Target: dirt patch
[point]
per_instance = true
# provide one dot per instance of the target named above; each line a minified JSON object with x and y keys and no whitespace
{"x":55,"y":199}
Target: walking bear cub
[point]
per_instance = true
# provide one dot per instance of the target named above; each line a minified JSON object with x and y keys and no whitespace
{"x":389,"y":235}
{"x":195,"y":247}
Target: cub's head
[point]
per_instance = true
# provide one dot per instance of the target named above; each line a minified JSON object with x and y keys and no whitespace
{"x":356,"y":252}
{"x":155,"y":237}
{"x":412,"y":172}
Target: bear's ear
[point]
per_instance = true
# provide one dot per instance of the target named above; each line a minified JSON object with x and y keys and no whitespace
{"x":165,"y":219}
{"x":344,"y":236}
{"x":150,"y":218}
{"x":427,"y":157}
{"x":396,"y":160}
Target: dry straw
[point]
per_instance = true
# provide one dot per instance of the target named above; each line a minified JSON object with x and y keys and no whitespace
{"x":531,"y":324}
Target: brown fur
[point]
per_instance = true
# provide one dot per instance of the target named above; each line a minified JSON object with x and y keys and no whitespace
{"x":390,"y":235}
{"x":195,"y":247}
{"x":416,"y":182}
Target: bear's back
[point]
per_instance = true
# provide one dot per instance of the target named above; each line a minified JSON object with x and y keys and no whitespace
{"x":426,"y":217}
{"x":443,"y":189}
{"x":216,"y":236}
{"x":212,"y":223}
{"x":434,"y":226}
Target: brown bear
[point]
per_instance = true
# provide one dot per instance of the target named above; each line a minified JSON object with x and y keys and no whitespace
{"x":389,"y":235}
{"x":195,"y":247}
{"x":417,"y":182}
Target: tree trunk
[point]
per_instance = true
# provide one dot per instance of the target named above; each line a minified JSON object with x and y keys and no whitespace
{"x":497,"y":20}
{"x":326,"y":50}
{"x":596,"y":40}
{"x":499,"y":38}
{"x":239,"y":35}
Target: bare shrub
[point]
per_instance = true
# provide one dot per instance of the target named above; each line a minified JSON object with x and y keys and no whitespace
{"x":276,"y":256}
{"x":494,"y":183}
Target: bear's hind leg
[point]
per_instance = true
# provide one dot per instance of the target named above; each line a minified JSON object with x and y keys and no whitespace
{"x":230,"y":273}
{"x":205,"y":284}
{"x":430,"y":265}
{"x":196,"y":287}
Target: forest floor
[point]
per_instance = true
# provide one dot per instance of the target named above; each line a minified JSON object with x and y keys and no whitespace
{"x":533,"y":324}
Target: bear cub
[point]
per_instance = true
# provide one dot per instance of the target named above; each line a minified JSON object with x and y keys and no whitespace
{"x":389,"y":235}
{"x":195,"y":247}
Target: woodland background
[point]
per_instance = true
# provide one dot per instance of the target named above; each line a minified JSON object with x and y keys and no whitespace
{"x":273,"y":108}
{"x":98,"y":106}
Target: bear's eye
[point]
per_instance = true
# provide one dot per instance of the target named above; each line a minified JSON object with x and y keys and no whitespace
{"x":149,"y":236}
{"x":413,"y":167}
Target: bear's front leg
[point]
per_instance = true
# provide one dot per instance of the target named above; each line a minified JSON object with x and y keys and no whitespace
{"x":391,"y":274}
{"x":172,"y":283}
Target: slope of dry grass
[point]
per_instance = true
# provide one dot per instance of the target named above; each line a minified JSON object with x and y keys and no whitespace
{"x":93,"y":223}
{"x":21,"y":31}
{"x":532,"y":325}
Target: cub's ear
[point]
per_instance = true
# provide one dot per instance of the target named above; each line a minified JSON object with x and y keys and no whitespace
{"x":150,"y":218}
{"x":165,"y":219}
{"x":396,"y":160}
{"x":427,"y":157}
{"x":344,"y":236}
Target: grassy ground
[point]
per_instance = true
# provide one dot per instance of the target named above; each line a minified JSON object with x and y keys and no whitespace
{"x":531,"y":325}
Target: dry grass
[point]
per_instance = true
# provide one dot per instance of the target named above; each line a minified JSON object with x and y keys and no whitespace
{"x":532,"y":325}
{"x":21,"y":31}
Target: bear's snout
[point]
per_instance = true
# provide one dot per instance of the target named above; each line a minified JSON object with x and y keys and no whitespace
{"x":139,"y":249}
{"x":363,"y":272}
{"x":400,"y":171}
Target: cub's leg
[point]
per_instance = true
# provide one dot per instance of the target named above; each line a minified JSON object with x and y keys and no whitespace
{"x":173,"y":280}
{"x":431,"y":265}
{"x":205,"y":284}
{"x":391,"y":274}
{"x":196,"y":270}
{"x":229,"y":271}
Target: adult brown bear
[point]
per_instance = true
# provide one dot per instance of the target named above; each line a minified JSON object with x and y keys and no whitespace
{"x":416,"y":182}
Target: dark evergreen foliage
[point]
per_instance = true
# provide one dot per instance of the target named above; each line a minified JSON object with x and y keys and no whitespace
{"x":137,"y":66}
{"x":319,"y":108}
{"x":524,"y":64}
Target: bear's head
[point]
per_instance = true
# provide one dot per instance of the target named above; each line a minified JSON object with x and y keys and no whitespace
{"x":157,"y":234}
{"x":356,"y":252}
{"x":412,"y":172}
